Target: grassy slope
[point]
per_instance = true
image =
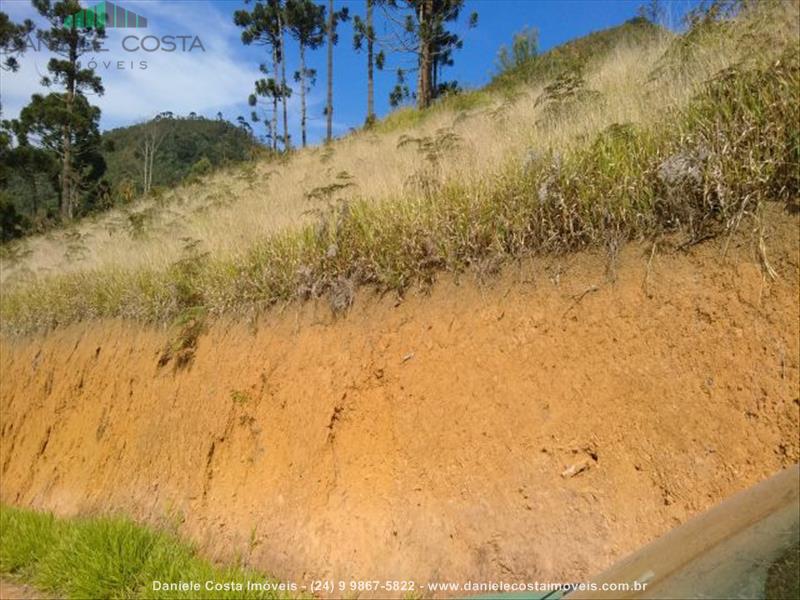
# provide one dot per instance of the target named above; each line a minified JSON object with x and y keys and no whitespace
{"x":581,"y":54}
{"x":575,"y":54}
{"x":687,"y":134}
{"x":494,"y":127}
{"x":108,"y":557}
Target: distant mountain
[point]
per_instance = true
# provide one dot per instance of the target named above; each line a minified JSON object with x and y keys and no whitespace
{"x":185,"y":146}
{"x":186,"y":142}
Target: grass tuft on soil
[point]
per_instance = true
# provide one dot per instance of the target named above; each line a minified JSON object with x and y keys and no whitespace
{"x":108,"y":557}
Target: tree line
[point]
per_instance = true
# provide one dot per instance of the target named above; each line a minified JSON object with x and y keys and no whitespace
{"x":56,"y":136}
{"x":414,"y":31}
{"x":55,"y":146}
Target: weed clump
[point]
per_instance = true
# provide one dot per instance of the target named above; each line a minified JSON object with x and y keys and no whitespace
{"x":188,"y":327}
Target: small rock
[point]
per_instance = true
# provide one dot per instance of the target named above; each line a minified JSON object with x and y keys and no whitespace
{"x":575,"y":469}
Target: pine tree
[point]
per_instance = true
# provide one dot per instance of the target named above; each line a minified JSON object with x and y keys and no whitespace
{"x":268,"y":89}
{"x":365,"y":31}
{"x":264,"y":26}
{"x":35,"y":168}
{"x":334,"y":17}
{"x":13,"y":41}
{"x":421,"y":29}
{"x":69,"y":44}
{"x":280,"y":14}
{"x":44,"y":121}
{"x":306,"y":23}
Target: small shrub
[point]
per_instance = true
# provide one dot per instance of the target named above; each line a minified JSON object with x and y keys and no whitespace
{"x":239,"y":397}
{"x":199,"y":169}
{"x":188,"y":327}
{"x":12,"y":224}
{"x":524,"y":49}
{"x":566,"y":94}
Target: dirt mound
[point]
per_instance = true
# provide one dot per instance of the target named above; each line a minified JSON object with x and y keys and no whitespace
{"x":537,"y":428}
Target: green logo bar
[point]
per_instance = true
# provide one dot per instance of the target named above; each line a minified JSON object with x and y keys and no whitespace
{"x":106,"y":15}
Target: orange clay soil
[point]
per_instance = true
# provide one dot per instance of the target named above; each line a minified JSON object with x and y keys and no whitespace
{"x":537,"y":426}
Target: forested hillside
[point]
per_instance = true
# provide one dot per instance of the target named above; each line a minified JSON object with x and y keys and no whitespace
{"x":131,"y":161}
{"x":187,"y":146}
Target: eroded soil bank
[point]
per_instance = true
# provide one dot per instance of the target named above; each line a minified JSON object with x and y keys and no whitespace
{"x":534,"y":428}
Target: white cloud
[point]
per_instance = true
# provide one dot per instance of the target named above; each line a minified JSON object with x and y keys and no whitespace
{"x":217,"y":80}
{"x":201,"y":81}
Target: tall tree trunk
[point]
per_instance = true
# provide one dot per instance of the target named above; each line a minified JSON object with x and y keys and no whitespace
{"x":286,"y":142}
{"x":303,"y":92}
{"x":153,"y":149}
{"x":146,"y":165}
{"x":424,"y":74}
{"x":274,"y":122}
{"x":66,"y":175}
{"x":329,"y":106}
{"x":67,"y":187}
{"x":370,"y":62}
{"x":434,"y":77}
{"x":32,"y":178}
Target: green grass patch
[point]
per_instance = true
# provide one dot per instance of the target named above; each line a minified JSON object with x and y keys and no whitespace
{"x":111,"y":557}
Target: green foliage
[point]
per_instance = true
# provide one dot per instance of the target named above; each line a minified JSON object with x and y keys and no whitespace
{"x":695,"y":172}
{"x":43,"y":122}
{"x":424,"y":32}
{"x":25,"y":539}
{"x":409,"y":117}
{"x":433,"y":149}
{"x":524,"y":48}
{"x":264,"y":25}
{"x":110,"y":166}
{"x":138,"y":223}
{"x":65,"y":123}
{"x":565,"y":94}
{"x":746,"y":122}
{"x":108,"y":557}
{"x":326,"y":193}
{"x":200,"y":168}
{"x":13,"y":39}
{"x":69,"y":44}
{"x":305,"y":20}
{"x":12,"y":224}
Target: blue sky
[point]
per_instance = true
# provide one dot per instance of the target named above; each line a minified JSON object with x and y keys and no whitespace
{"x":220,"y":78}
